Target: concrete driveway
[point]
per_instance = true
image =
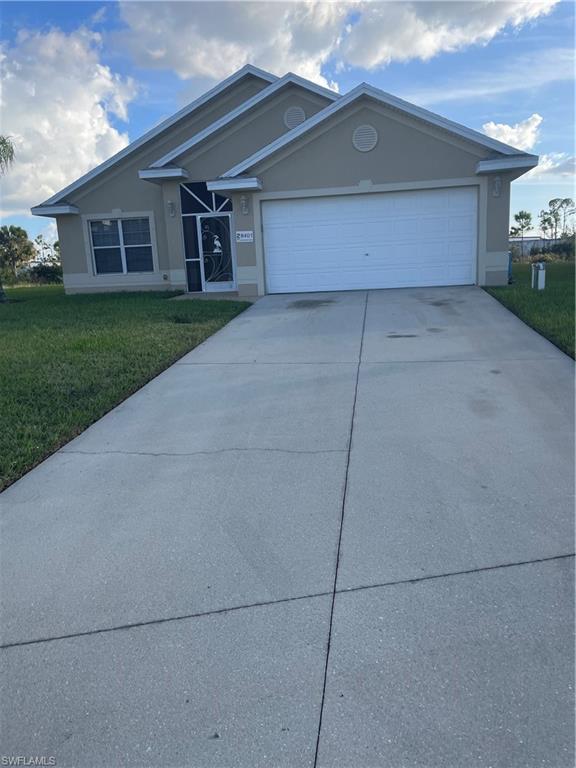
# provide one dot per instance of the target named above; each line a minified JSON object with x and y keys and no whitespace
{"x":339,"y":533}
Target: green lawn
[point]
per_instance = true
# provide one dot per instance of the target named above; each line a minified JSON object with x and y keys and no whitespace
{"x":551,"y":311}
{"x":67,"y":360}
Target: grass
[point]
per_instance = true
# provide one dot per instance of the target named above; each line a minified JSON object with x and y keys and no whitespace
{"x":67,"y":360}
{"x":551,"y":311}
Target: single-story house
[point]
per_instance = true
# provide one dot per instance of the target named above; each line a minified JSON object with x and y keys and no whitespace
{"x":275,"y":185}
{"x":524,"y":245}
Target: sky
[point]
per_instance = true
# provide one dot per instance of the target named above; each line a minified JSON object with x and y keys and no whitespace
{"x":80,"y":80}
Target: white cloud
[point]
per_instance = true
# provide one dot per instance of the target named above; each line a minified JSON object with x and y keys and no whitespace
{"x":211,"y":41}
{"x":559,"y":165}
{"x":50,"y":232}
{"x":523,"y":135}
{"x":393,"y":31}
{"x":57,"y":102}
{"x":553,"y":166}
{"x":532,"y":70}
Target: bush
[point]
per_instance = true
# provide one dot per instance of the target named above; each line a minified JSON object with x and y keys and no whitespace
{"x":45,"y":273}
{"x":547,"y":257}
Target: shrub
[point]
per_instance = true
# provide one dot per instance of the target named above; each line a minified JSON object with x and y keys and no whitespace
{"x":46,"y":273}
{"x":547,"y":257}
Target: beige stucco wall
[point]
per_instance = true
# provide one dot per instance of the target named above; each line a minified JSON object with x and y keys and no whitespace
{"x":122,"y":190}
{"x":243,"y":137}
{"x":406,"y":151}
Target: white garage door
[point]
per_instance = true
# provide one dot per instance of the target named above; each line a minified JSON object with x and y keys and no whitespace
{"x":381,"y":240}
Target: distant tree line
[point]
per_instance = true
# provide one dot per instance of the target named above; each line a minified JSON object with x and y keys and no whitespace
{"x":21,"y":260}
{"x":556,"y":224}
{"x":24,"y":261}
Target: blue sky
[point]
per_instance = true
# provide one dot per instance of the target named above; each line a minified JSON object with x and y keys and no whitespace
{"x":84,"y":78}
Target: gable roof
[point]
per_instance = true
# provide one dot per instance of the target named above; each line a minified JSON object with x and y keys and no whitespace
{"x":383,"y":98}
{"x":246,"y":71}
{"x":266,"y":93}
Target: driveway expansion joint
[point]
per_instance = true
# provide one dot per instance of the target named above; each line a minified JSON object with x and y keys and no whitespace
{"x":206,"y":452}
{"x":465,"y":572}
{"x":341,"y":526}
{"x":267,"y":603}
{"x":486,"y":360}
{"x":272,"y":362}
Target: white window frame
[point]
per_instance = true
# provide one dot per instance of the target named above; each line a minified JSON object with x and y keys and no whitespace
{"x":119,"y":215}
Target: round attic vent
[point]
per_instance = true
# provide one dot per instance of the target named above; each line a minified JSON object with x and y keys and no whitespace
{"x":294,"y":116}
{"x":365,"y":138}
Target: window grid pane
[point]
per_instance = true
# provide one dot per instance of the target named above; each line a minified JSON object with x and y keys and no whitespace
{"x":105,"y":233}
{"x":139,"y":258}
{"x":108,"y":260}
{"x":136,"y":231}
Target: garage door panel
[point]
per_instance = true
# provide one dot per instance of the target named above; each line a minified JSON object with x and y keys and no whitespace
{"x":382,"y":240}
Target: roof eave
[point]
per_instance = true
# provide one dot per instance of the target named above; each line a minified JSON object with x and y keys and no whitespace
{"x":236,"y":184}
{"x":158,"y":175}
{"x":55,"y":210}
{"x":496,"y":165}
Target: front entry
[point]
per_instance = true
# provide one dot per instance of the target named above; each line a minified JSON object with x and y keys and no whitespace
{"x":216,"y":252}
{"x":207,"y":224}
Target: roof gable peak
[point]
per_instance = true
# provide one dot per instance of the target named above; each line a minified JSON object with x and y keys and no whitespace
{"x":235,"y":77}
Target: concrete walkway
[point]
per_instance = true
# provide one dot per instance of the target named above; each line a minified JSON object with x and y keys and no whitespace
{"x":339,"y":533}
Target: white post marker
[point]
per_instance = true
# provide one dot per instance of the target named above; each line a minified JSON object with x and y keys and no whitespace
{"x":539,"y":275}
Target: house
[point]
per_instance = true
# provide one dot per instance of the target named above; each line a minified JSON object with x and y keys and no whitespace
{"x":525,"y":245}
{"x":273,"y":185}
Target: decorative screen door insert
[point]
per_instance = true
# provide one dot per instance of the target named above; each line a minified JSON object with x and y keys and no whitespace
{"x":207,"y":225}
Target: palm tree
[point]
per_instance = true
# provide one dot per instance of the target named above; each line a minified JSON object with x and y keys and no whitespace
{"x":565,"y":206}
{"x":6,"y":160}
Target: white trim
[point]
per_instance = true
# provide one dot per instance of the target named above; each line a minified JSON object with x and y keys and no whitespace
{"x":54,"y":210}
{"x":207,"y":285}
{"x":192,"y":107}
{"x":266,"y":93}
{"x":114,"y":280}
{"x":79,"y":281}
{"x":159,"y":174}
{"x":400,"y":186}
{"x":233,"y":184}
{"x":88,"y":217}
{"x":507,"y":164}
{"x":383,"y":98}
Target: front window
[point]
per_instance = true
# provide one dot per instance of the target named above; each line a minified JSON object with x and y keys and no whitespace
{"x":121,"y":246}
